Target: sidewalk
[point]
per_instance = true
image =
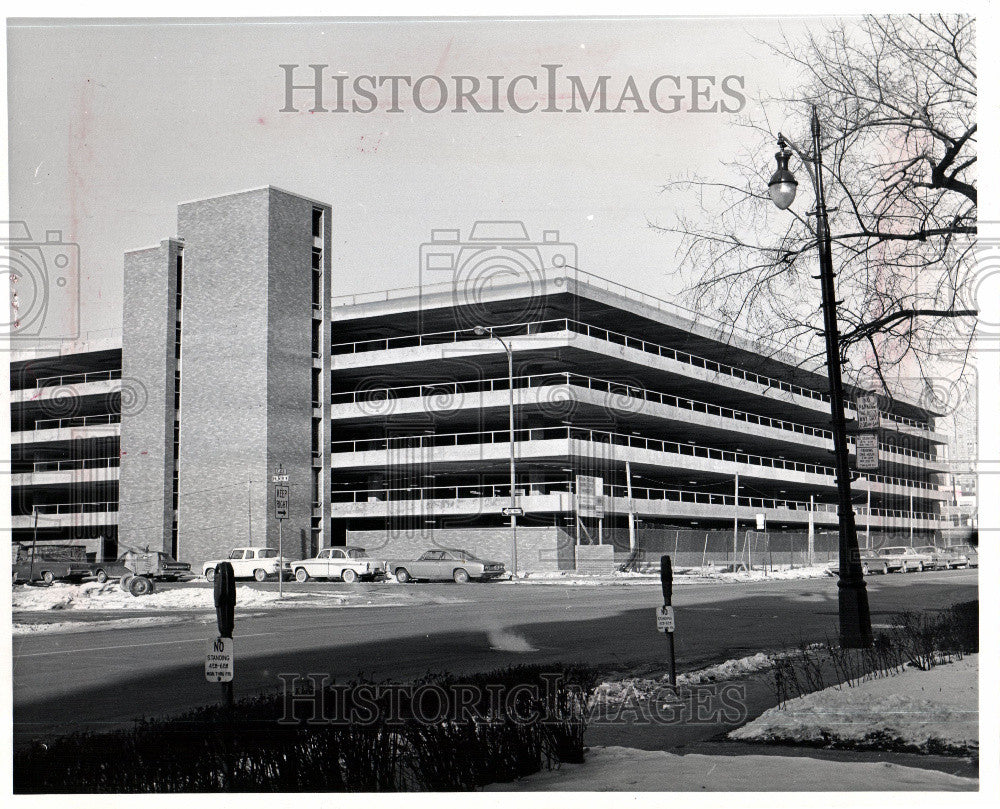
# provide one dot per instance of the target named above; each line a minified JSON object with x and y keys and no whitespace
{"x":630,"y":770}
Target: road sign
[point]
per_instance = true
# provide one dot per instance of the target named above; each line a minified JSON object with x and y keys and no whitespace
{"x":279,"y":478}
{"x":665,"y":619}
{"x":868,"y":415}
{"x":867,"y":444}
{"x":761,"y":522}
{"x":281,"y":502}
{"x":589,"y":496}
{"x":219,"y":661}
{"x":515,"y":511}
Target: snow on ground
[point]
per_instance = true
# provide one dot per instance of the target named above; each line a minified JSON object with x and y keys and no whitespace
{"x":689,"y":575}
{"x":923,"y":710}
{"x":109,"y":596}
{"x":93,"y":626}
{"x":629,"y":770}
{"x":621,"y":689}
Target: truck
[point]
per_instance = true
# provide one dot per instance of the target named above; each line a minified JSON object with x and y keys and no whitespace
{"x":50,"y":563}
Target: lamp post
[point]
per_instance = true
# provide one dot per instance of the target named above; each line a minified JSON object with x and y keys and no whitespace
{"x":855,"y":619}
{"x":482,"y":331}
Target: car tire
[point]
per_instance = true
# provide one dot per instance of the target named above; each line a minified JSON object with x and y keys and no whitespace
{"x":461,"y":576}
{"x":349,"y":576}
{"x":260,"y":574}
{"x":864,"y":568}
{"x":402,"y":575}
{"x":920,"y":567}
{"x":140,"y":586}
{"x":124,"y":582}
{"x":102,"y":576}
{"x":301,"y":574}
{"x":210,"y":574}
{"x":885,"y":568}
{"x":48,"y":577}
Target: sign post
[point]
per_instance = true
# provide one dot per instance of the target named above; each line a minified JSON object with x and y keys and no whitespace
{"x":869,"y":421}
{"x":280,"y":480}
{"x":219,"y":662}
{"x":665,"y":617}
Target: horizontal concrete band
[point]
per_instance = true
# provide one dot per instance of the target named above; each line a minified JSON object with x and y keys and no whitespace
{"x":552,"y":449}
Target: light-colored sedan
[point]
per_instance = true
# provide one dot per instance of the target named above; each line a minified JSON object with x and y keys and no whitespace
{"x":349,"y":564}
{"x":899,"y":558}
{"x":970,"y":554}
{"x":446,"y":564}
{"x":943,"y":558}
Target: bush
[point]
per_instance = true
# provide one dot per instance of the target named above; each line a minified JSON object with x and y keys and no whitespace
{"x":400,"y":748}
{"x":919,"y":639}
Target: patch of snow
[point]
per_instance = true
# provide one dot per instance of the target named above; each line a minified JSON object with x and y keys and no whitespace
{"x":109,"y":596}
{"x":625,"y":688}
{"x":922,"y":710}
{"x":62,"y":627}
{"x":625,"y":769}
{"x":688,"y":575}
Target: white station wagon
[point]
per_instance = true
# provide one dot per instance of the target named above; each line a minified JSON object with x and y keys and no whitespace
{"x":349,"y":564}
{"x":256,"y":563}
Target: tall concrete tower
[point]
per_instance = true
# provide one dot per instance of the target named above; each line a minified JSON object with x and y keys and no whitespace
{"x":248,"y":334}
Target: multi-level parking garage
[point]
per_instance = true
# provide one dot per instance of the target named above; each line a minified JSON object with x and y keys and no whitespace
{"x":607,"y":382}
{"x":398,"y":438}
{"x":65,"y":423}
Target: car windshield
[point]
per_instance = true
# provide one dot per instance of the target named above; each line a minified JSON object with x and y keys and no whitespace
{"x":466,"y":556}
{"x":236,"y":555}
{"x":927,"y":549}
{"x":266,"y":553}
{"x":356,"y":553}
{"x":891,"y":551}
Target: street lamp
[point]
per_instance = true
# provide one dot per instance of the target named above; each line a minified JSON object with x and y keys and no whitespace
{"x":855,"y":619}
{"x":482,"y":331}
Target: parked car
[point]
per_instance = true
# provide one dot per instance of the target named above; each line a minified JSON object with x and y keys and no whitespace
{"x":255,"y":563}
{"x":970,"y":553}
{"x":349,"y":564}
{"x":899,"y":558}
{"x":943,"y":558}
{"x":446,"y":564}
{"x":152,"y":564}
{"x":62,"y":563}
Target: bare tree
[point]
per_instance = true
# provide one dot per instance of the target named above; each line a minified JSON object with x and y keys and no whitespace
{"x":897,"y":101}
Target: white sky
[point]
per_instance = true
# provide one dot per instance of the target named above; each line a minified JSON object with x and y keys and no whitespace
{"x":111,"y":125}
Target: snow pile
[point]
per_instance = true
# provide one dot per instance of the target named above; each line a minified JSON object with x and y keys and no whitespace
{"x":625,"y":769}
{"x":780,"y":573}
{"x":921,"y":711}
{"x":687,"y":575}
{"x":629,"y":688}
{"x":109,"y":596}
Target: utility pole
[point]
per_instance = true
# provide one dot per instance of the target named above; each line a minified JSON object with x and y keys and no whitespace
{"x":249,"y":512}
{"x":631,"y":510}
{"x":811,"y":547}
{"x":509,"y":348}
{"x":736,"y":518}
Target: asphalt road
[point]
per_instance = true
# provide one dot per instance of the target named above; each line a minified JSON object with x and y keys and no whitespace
{"x":91,"y":680}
